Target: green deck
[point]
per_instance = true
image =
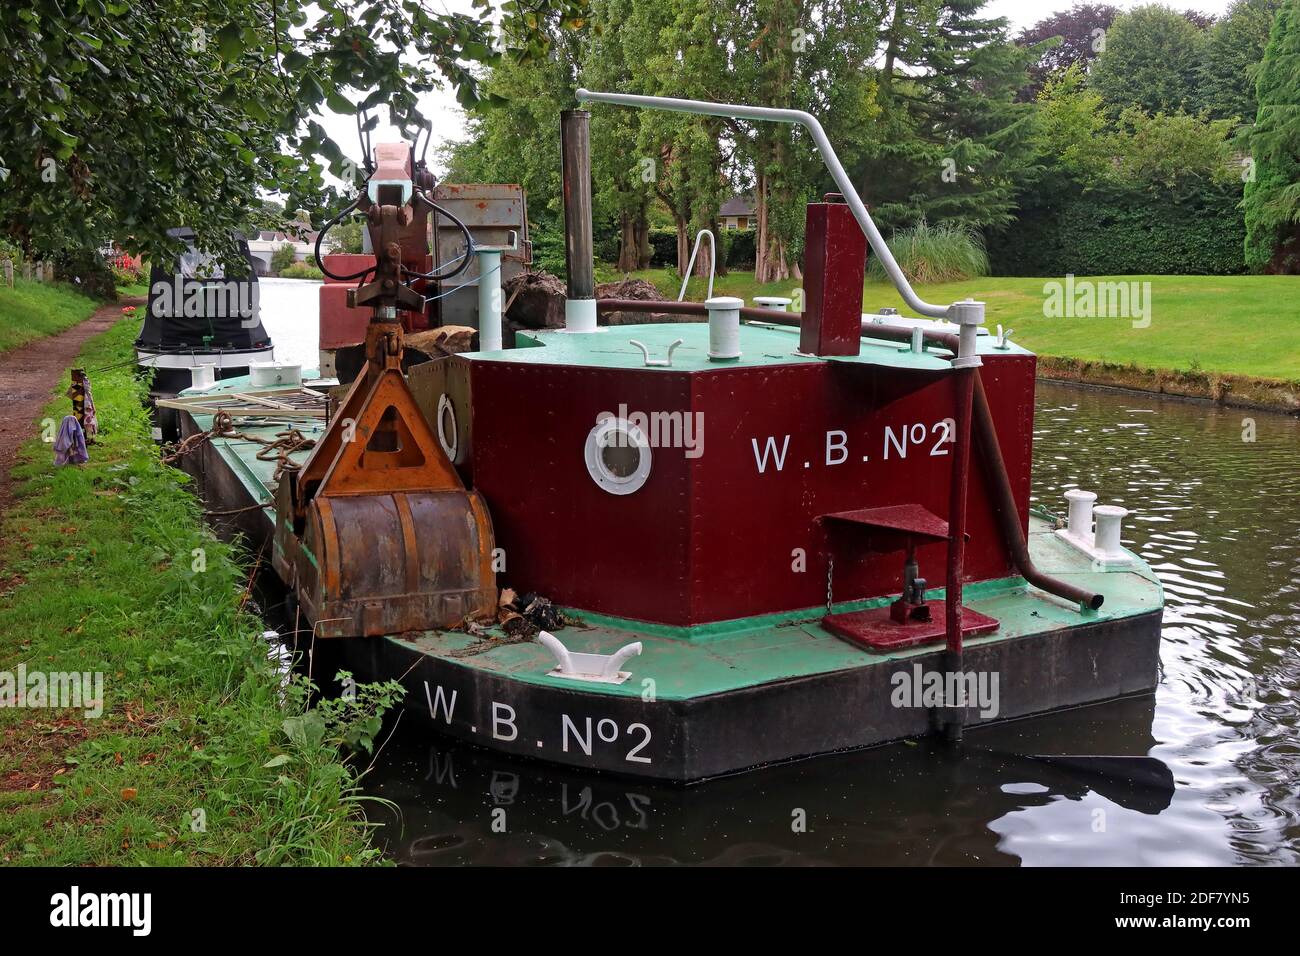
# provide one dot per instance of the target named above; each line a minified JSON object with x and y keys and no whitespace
{"x":714,"y":658}
{"x":761,"y":345}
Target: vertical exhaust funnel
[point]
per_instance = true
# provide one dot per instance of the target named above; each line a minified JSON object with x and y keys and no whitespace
{"x":575,"y":160}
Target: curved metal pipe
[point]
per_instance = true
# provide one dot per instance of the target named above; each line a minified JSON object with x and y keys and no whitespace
{"x":713,"y":262}
{"x":833,"y":166}
{"x":1004,"y":506}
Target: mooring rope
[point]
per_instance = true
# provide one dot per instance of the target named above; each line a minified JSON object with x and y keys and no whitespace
{"x":223,"y":426}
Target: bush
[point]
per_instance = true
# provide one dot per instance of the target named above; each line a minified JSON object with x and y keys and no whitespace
{"x":548,"y":248}
{"x":282,"y":258}
{"x":1125,"y":231}
{"x":300,"y":270}
{"x":947,"y":252}
{"x":87,"y":270}
{"x":663,"y":248}
{"x":125,"y":273}
{"x":740,"y":250}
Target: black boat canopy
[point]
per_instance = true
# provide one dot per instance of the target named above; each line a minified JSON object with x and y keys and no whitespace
{"x":194,"y":306}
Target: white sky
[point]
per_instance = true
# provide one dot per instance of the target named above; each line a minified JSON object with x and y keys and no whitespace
{"x":449,"y":121}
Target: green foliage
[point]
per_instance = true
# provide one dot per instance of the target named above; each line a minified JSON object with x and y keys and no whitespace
{"x":739,"y":248}
{"x":954,"y":137}
{"x":301,"y":270}
{"x":947,"y":252}
{"x":87,"y":270}
{"x":548,"y":248}
{"x":1125,"y":229}
{"x":282,"y":258}
{"x":1146,"y":193}
{"x":350,"y":720}
{"x":1272,"y":198}
{"x":1233,"y":49}
{"x":1171,"y":152}
{"x":126,"y":275}
{"x":1151,"y":60}
{"x":1070,"y":130}
{"x":347,"y":235}
{"x":663,"y":248}
{"x":32,"y":309}
{"x":120,"y":122}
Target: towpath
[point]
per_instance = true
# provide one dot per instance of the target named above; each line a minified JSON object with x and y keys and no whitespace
{"x":30,"y":373}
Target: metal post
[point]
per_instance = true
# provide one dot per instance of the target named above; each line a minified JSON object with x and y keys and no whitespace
{"x":964,"y":388}
{"x":575,"y":160}
{"x":968,"y":315}
{"x":489,"y":300}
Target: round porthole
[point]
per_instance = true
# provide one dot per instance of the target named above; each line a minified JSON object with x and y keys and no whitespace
{"x":448,"y":437}
{"x":618,"y":456}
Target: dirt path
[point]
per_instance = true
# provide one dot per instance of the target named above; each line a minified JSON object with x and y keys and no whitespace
{"x":30,"y":373}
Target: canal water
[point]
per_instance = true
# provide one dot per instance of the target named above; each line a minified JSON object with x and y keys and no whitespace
{"x":1214,"y":496}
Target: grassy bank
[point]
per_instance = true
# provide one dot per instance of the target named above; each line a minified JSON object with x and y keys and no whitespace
{"x":200,"y":755}
{"x":1238,"y":325}
{"x":31,"y":310}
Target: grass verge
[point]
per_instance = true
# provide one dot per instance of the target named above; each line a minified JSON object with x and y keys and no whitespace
{"x":202,"y":754}
{"x":1233,"y":325}
{"x":31,"y":310}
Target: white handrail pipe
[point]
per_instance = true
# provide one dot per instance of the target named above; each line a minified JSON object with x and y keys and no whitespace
{"x":713,"y":263}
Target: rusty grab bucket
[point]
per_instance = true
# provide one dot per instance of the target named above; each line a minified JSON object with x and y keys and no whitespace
{"x":376,"y":564}
{"x":377,"y":533}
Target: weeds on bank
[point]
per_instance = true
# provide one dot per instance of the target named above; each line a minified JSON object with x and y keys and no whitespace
{"x":205,"y":752}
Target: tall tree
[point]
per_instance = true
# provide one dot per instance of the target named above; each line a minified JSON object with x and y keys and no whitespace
{"x":1234,"y":48}
{"x":953,"y":138}
{"x":1151,"y":60}
{"x":1079,"y":34}
{"x":1272,"y":195}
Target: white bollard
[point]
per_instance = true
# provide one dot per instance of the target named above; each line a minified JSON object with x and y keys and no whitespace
{"x":580,"y":315}
{"x":1080,"y":518}
{"x":724,"y":327}
{"x":1109,"y":519}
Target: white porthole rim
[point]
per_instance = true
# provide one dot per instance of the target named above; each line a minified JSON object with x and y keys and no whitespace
{"x":597,"y":442}
{"x":446,"y":408}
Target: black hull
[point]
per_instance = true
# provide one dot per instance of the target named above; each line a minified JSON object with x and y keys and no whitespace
{"x":684,"y":741}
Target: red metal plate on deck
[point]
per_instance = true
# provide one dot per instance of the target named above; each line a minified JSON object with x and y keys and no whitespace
{"x":876,"y":631}
{"x":914,"y":520}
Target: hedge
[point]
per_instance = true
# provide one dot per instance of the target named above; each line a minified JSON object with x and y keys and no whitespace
{"x":1124,"y":232}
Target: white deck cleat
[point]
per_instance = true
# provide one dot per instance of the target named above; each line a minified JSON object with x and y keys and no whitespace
{"x":598,"y":668}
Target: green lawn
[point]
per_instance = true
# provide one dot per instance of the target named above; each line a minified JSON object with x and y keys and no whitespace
{"x":1247,"y":325}
{"x":31,"y":310}
{"x":199,"y":754}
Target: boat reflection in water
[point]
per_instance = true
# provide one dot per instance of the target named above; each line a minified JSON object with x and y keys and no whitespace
{"x":900,"y":804}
